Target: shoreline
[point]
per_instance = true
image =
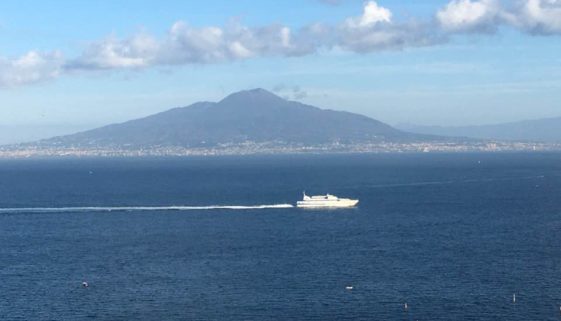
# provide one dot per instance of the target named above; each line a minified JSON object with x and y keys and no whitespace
{"x":37,"y":151}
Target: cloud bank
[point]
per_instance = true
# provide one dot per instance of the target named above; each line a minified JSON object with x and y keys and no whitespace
{"x":536,"y":17}
{"x":375,"y":29}
{"x":30,"y":68}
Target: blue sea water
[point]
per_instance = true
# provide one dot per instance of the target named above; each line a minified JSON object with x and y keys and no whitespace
{"x":454,"y":236}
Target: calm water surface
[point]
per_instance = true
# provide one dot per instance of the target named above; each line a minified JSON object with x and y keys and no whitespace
{"x":454,"y":236}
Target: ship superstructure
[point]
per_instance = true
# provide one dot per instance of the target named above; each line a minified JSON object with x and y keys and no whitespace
{"x":325,"y":201}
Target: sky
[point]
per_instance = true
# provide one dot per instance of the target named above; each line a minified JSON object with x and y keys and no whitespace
{"x":71,"y":65}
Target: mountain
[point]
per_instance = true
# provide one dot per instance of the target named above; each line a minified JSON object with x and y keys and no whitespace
{"x":539,"y":130}
{"x":253,"y":115}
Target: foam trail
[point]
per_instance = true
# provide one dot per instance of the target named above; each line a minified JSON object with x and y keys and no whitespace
{"x":137,"y":208}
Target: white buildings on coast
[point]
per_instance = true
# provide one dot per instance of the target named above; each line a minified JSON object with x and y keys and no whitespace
{"x":250,"y":148}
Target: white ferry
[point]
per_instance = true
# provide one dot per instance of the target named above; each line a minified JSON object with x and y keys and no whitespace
{"x":325,"y":201}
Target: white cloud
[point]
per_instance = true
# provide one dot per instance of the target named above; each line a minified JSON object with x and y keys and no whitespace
{"x":138,"y":51}
{"x":538,"y":16}
{"x":185,"y":44}
{"x":532,"y":16}
{"x":374,"y":31}
{"x":468,"y":15}
{"x":390,"y":37}
{"x":31,"y":67}
{"x":372,"y":14}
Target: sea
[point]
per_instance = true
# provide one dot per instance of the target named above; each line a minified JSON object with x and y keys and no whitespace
{"x":434,"y":237}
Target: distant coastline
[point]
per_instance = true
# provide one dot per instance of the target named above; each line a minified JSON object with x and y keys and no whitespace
{"x":257,"y":121}
{"x":253,"y":148}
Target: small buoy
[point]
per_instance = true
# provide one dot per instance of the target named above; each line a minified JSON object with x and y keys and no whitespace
{"x":405,"y":306}
{"x":85,"y":284}
{"x":349,"y":288}
{"x":514,"y":298}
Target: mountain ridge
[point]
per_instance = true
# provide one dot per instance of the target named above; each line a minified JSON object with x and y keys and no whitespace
{"x":255,"y":115}
{"x":539,"y":130}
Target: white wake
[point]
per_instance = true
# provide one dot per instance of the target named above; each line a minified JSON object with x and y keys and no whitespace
{"x":138,"y":208}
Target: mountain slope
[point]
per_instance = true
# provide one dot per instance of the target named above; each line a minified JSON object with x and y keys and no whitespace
{"x":254,"y":115}
{"x":544,"y":130}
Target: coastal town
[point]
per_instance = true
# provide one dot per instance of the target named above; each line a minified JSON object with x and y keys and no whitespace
{"x":255,"y":148}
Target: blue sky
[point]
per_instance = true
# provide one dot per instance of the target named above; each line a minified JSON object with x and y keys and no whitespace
{"x":72,"y":65}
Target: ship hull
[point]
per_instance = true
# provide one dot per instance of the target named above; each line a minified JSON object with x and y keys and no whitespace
{"x":341,"y":203}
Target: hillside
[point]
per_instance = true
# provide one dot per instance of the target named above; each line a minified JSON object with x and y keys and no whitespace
{"x":254,"y":115}
{"x":539,"y":130}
